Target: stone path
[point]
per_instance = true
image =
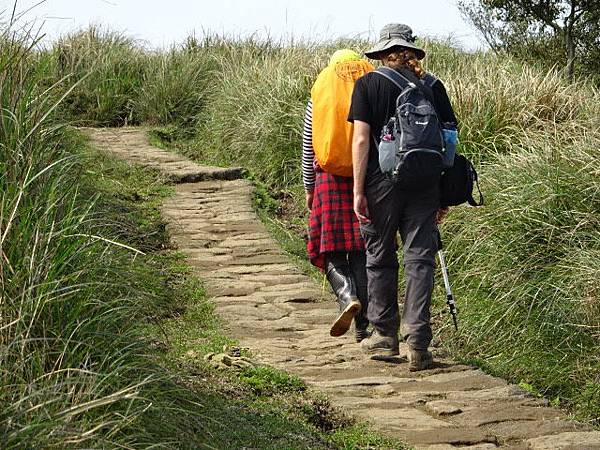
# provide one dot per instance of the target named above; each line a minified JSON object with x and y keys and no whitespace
{"x":283,"y":317}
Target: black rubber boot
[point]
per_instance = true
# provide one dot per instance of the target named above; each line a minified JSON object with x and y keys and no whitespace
{"x":342,"y":282}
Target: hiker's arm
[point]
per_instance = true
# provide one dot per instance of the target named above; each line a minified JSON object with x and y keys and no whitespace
{"x":308,"y":157}
{"x":443,"y":106}
{"x":360,"y":157}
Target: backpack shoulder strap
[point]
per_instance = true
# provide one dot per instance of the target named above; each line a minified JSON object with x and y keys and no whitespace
{"x":429,"y":80}
{"x":394,"y":77}
{"x":424,"y":84}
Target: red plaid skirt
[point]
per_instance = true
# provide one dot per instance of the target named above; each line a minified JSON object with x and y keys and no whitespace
{"x":333,"y":227}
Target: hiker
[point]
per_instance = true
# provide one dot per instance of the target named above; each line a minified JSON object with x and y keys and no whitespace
{"x":383,"y":208}
{"x":335,"y":245}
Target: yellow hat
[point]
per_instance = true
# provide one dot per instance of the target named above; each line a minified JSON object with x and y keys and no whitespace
{"x":343,"y":55}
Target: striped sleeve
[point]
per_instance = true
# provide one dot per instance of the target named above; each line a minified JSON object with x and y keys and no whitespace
{"x":308,"y":153}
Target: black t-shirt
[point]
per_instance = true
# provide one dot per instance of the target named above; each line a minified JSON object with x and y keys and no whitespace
{"x":374,"y":102}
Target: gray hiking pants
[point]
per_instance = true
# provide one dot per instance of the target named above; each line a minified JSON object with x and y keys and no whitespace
{"x":413,"y":215}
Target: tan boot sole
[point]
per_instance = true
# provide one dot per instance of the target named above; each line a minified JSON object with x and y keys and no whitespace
{"x":343,"y":322}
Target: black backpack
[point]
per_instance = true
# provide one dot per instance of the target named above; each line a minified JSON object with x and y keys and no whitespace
{"x":411,"y":148}
{"x":457,"y":182}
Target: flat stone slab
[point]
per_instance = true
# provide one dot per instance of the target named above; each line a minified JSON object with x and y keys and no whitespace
{"x":443,"y":408}
{"x":453,"y":447}
{"x":283,"y":316}
{"x":402,"y":419}
{"x":519,"y":431}
{"x":354,"y":382}
{"x":455,"y":437}
{"x":132,"y":144}
{"x":572,"y":440}
{"x":494,"y":414}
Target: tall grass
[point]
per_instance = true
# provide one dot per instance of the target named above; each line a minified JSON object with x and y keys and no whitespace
{"x":174,"y":86}
{"x":502,"y":104}
{"x":527,"y":268}
{"x":526,"y":263}
{"x":255,"y":109}
{"x":107,"y":68}
{"x":261,"y":96}
{"x":74,"y":370}
{"x":120,"y":83}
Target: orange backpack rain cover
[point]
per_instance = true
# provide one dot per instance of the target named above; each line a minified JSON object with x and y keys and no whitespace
{"x":331,"y":132}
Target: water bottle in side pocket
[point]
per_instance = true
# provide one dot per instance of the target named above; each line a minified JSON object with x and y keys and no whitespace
{"x":388,"y":158}
{"x":450,"y":141}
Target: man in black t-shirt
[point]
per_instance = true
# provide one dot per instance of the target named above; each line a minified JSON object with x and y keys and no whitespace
{"x":383,"y":208}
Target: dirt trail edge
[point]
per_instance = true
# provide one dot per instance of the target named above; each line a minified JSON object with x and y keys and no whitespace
{"x":281,"y":315}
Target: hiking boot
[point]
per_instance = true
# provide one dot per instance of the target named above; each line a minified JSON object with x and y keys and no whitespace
{"x":361,"y":323}
{"x":380,"y":346}
{"x":341,"y":280}
{"x":419,"y":360}
{"x":361,"y":334}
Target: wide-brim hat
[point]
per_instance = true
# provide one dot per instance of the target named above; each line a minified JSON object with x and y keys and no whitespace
{"x":395,"y":35}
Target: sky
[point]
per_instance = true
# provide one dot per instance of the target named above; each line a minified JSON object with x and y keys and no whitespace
{"x":160,"y":23}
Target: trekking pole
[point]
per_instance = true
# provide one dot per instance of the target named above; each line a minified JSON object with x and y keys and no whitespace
{"x":449,"y":297}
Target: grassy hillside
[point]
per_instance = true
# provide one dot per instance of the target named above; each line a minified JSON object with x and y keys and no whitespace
{"x":524,"y":267}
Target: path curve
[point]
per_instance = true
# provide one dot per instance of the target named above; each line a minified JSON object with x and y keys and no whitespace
{"x":281,"y":315}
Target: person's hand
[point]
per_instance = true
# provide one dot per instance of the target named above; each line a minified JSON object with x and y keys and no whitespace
{"x":361,"y":208}
{"x":309,"y":199}
{"x":441,"y":215}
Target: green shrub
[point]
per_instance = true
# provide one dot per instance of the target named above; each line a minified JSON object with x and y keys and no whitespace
{"x":107,"y":68}
{"x":268,"y":381}
{"x":174,"y":87}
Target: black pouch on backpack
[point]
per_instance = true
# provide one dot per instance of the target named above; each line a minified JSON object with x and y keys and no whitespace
{"x":457,"y":182}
